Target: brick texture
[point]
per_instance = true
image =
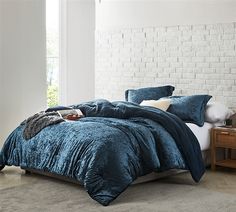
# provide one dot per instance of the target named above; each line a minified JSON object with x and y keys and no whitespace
{"x":197,"y":59}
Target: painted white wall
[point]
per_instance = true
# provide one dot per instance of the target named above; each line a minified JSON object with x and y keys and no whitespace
{"x":23,"y":64}
{"x":149,"y":13}
{"x":78,"y":49}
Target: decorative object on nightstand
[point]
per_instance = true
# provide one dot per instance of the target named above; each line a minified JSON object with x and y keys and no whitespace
{"x":231,"y":121}
{"x":223,"y":137}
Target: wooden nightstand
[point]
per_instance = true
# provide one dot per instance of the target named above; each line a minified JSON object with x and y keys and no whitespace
{"x":223,"y":137}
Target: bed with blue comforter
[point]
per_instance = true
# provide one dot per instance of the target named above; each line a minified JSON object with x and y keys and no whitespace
{"x":110,"y":147}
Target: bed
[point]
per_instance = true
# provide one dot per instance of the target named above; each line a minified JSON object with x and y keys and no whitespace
{"x":115,"y":144}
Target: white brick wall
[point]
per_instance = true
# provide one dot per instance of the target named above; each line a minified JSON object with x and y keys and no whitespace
{"x":195,"y":59}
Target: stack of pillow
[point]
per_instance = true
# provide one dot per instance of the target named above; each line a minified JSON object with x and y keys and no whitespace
{"x":191,"y":109}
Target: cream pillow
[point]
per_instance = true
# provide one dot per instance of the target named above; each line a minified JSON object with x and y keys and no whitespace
{"x":162,"y":104}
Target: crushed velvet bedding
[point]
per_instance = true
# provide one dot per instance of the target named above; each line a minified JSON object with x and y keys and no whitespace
{"x":109,"y":148}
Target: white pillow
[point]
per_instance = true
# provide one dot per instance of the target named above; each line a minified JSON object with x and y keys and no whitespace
{"x":217,"y":112}
{"x":161,"y":104}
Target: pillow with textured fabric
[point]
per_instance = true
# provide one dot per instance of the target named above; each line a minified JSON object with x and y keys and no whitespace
{"x":217,"y":112}
{"x":149,"y":93}
{"x":162,"y":104}
{"x":190,"y":109}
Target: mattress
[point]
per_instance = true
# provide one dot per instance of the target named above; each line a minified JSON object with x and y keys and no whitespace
{"x":203,"y":133}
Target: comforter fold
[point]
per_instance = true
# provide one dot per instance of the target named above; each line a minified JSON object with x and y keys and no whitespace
{"x":110,"y":147}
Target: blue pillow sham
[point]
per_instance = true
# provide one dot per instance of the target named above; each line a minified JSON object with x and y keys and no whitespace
{"x":190,"y":109}
{"x":149,"y":93}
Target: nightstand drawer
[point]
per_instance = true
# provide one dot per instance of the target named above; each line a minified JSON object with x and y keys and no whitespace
{"x":226,"y":139}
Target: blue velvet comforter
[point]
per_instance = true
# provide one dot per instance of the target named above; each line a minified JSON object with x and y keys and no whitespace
{"x":108,"y":149}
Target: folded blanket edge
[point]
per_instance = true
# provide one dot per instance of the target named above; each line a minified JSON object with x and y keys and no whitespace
{"x":1,"y":161}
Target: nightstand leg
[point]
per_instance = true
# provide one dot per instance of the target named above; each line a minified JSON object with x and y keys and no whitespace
{"x":213,"y":166}
{"x":213,"y":159}
{"x":213,"y":152}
